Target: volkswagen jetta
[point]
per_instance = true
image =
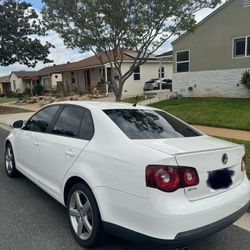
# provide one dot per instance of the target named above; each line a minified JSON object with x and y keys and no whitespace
{"x":133,"y":171}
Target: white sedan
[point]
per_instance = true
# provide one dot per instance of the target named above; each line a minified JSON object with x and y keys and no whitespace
{"x":133,"y":171}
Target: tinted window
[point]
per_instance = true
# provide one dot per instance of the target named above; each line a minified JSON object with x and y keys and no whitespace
{"x":87,"y":126}
{"x":41,"y":121}
{"x":149,"y":124}
{"x":68,"y":122}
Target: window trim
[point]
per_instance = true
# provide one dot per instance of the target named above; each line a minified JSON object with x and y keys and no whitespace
{"x":246,"y":44}
{"x":184,"y":50}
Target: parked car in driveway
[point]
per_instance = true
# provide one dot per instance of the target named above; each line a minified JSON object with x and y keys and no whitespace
{"x":133,"y":171}
{"x":154,"y":84}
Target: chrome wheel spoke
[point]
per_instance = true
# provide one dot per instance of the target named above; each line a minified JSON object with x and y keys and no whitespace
{"x":85,"y":208}
{"x":87,"y":224}
{"x":79,"y":228}
{"x":78,"y":201}
{"x":74,"y":212}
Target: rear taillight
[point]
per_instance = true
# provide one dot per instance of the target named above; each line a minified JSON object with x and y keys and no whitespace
{"x":243,"y":163}
{"x":170,"y":178}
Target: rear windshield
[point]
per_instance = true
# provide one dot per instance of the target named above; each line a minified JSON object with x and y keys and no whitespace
{"x":149,"y":124}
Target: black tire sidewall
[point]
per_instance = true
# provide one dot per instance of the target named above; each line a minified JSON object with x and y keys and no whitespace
{"x":98,"y":233}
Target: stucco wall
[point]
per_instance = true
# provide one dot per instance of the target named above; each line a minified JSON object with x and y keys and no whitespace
{"x":211,"y":44}
{"x":19,"y":83}
{"x":55,"y":78}
{"x":211,"y":83}
{"x":148,"y":71}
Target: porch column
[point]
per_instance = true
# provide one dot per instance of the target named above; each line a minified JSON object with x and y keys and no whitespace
{"x":106,"y":80}
{"x":160,"y":73}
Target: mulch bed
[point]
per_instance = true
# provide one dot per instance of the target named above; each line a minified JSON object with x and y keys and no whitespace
{"x":9,"y":110}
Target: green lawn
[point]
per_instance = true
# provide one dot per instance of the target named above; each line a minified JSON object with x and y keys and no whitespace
{"x":218,"y":112}
{"x":247,"y":146}
{"x":5,"y":100}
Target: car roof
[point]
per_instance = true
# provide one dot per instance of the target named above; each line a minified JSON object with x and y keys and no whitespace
{"x":105,"y":105}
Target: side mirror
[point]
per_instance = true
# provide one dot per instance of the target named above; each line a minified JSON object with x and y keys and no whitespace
{"x":18,"y":124}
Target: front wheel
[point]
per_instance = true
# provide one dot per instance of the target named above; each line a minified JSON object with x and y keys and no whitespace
{"x":10,"y":165}
{"x":84,"y":217}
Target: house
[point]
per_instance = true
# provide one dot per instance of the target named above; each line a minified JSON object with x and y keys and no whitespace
{"x":86,"y":74}
{"x":5,"y":86}
{"x":210,"y":61}
{"x":20,"y":80}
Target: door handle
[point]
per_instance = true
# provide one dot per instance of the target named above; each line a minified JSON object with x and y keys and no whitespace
{"x":35,"y":143}
{"x":70,"y":153}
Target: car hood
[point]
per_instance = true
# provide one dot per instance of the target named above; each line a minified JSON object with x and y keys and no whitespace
{"x":184,"y":145}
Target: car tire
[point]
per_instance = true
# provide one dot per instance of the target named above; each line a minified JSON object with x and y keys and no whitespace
{"x":9,"y":160}
{"x":84,"y":216}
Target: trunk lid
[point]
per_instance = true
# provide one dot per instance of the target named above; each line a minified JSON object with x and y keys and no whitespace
{"x":207,"y":155}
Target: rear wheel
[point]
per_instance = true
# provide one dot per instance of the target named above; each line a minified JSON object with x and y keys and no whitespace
{"x":84,"y":217}
{"x":10,"y":165}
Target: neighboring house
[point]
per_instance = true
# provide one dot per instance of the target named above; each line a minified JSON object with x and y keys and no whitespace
{"x":210,"y":60}
{"x":87,"y":73}
{"x":5,"y":86}
{"x":20,"y":80}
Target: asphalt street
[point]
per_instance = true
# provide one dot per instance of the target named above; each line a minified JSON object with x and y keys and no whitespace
{"x":31,"y":219}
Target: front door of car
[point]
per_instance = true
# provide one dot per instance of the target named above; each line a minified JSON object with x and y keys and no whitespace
{"x":26,"y":151}
{"x":59,"y":149}
{"x":27,"y":140}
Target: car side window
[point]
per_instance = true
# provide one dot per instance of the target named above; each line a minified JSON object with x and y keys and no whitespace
{"x":87,"y":126}
{"x":68,"y":122}
{"x":41,"y":121}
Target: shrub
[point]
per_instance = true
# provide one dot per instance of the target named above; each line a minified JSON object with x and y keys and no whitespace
{"x":245,"y":79}
{"x":38,"y":89}
{"x":27,"y":91}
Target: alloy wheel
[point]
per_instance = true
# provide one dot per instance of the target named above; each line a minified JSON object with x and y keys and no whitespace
{"x":81,"y":215}
{"x":9,"y":160}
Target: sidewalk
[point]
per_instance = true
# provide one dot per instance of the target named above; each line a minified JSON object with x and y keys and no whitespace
{"x":7,"y":120}
{"x":224,"y":132}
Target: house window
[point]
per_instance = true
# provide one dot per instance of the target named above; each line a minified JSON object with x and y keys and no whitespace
{"x":241,"y":47}
{"x":182,"y":61}
{"x":161,"y":73}
{"x":73,"y":80}
{"x":14,"y":84}
{"x":137,"y":74}
{"x":248,"y":46}
{"x":246,"y":3}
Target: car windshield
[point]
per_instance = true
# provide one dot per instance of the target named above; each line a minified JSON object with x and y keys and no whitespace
{"x":149,"y":124}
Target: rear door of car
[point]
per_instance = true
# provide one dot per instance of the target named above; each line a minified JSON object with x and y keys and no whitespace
{"x":69,"y":135}
{"x":27,"y":140}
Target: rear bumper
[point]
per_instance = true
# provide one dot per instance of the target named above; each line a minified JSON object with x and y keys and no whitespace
{"x":181,"y":239}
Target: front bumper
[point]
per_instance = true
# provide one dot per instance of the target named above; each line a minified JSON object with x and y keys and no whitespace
{"x":181,"y":239}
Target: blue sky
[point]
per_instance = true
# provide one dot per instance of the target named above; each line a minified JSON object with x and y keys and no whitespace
{"x":37,"y":4}
{"x":60,"y":54}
